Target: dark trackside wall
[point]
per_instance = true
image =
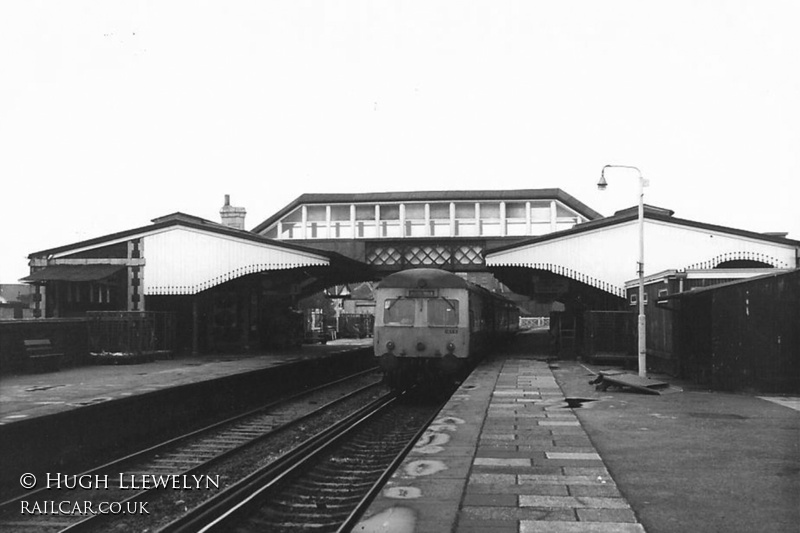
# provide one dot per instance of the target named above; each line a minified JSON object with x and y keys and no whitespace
{"x":744,"y":335}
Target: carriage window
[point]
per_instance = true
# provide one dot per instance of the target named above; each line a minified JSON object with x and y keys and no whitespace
{"x":398,"y":312}
{"x":442,"y":312}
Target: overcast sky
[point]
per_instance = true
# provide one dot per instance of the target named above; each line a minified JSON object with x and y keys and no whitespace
{"x":114,"y":113}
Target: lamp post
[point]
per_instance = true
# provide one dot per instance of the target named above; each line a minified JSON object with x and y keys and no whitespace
{"x":642,"y":324}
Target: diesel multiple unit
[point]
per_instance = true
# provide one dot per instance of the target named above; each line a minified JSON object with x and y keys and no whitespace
{"x":431,"y":323}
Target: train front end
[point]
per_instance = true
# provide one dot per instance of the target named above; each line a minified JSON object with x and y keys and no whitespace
{"x":421,"y":326}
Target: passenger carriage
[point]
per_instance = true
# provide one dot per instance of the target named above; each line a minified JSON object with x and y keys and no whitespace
{"x":431,"y":323}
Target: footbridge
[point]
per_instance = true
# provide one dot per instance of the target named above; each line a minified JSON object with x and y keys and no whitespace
{"x":453,"y":229}
{"x":539,"y":242}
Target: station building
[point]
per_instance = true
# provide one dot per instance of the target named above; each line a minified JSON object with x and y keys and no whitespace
{"x":223,"y":281}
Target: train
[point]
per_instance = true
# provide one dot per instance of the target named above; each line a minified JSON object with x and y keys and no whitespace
{"x":433,"y":325}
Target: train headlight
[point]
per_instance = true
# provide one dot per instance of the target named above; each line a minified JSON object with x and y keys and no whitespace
{"x":451,"y":347}
{"x":390,"y":345}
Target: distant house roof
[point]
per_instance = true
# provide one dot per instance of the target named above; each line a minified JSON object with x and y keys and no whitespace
{"x":432,"y":196}
{"x":362,"y":292}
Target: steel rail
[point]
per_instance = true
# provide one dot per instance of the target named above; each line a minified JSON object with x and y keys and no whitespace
{"x":214,"y":515}
{"x":354,"y":516}
{"x":93,"y":520}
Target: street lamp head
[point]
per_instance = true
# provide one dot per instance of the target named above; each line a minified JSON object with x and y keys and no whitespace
{"x":602,"y":184}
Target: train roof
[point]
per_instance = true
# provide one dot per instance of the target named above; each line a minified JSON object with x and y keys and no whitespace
{"x":419,"y":278}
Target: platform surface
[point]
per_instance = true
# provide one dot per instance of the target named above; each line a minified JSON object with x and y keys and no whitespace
{"x":508,"y":454}
{"x":25,"y":396}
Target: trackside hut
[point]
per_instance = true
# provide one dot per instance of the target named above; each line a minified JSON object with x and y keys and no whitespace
{"x":222,"y":282}
{"x":740,"y":335}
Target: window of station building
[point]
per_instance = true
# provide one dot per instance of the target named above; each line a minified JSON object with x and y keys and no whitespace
{"x":565,"y":218}
{"x":390,"y":220}
{"x":516,"y":218}
{"x":540,"y":212}
{"x":634,"y":299}
{"x":415,"y":220}
{"x":440,"y":219}
{"x":540,"y":217}
{"x":466,"y":225}
{"x":442,"y":312}
{"x":490,"y":219}
{"x":399,"y":312}
{"x":365,"y":221}
{"x":340,"y":222}
{"x":290,"y":225}
{"x":315,"y":215}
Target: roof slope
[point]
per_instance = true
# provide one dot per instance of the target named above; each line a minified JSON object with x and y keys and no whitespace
{"x":177,"y":219}
{"x":650,"y":213}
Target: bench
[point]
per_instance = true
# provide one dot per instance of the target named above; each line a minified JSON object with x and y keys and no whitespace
{"x":41,"y":355}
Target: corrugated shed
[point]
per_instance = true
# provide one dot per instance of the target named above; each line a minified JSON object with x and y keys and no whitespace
{"x":182,"y":260}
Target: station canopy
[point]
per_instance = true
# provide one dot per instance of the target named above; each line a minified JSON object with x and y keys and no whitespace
{"x":73,"y":273}
{"x":178,"y":254}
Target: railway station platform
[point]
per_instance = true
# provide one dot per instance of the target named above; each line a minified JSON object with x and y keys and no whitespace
{"x":26,"y":396}
{"x":87,"y":415}
{"x":528,"y":445}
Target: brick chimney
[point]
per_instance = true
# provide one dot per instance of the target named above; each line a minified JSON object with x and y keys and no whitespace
{"x":232,"y":217}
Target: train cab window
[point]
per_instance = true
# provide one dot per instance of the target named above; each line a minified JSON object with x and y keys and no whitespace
{"x":398,"y":312}
{"x":442,"y":312}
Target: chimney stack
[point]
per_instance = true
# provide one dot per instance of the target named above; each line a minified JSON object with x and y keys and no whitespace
{"x":233,"y":217}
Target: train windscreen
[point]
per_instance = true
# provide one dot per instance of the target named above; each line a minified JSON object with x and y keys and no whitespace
{"x":442,"y":312}
{"x":398,"y":312}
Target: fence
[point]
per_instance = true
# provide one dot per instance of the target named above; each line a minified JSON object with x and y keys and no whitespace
{"x":130,"y":334}
{"x":609,"y":335}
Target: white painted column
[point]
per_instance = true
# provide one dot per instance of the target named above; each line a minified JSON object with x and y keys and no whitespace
{"x":428,"y":231}
{"x":452,"y":219}
{"x":303,"y":222}
{"x":328,"y":221}
{"x":353,"y":220}
{"x":553,"y":215}
{"x":503,"y":221}
{"x":527,"y":218}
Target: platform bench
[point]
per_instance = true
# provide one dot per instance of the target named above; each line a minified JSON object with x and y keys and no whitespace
{"x":41,"y":355}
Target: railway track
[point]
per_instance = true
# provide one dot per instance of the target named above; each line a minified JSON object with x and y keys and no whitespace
{"x":191,"y":467}
{"x":324,"y":484}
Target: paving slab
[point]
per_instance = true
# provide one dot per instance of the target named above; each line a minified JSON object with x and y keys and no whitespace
{"x":512,"y":474}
